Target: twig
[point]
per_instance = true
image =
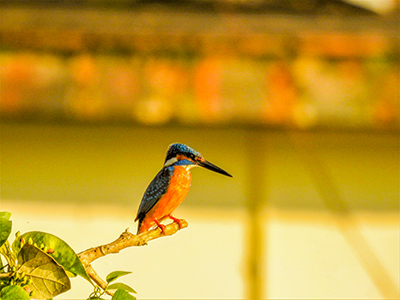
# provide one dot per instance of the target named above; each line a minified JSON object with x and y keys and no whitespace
{"x":97,"y":279}
{"x":125,"y":240}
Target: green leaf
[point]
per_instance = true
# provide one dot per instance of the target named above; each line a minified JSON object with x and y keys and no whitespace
{"x":116,"y":274}
{"x":5,"y":226}
{"x":14,"y":292}
{"x":122,"y":295}
{"x":48,"y":279}
{"x":57,"y":248}
{"x":72,"y":275}
{"x":5,"y":214}
{"x":122,"y":286}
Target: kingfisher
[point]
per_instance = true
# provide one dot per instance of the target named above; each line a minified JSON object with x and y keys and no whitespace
{"x":170,"y":186}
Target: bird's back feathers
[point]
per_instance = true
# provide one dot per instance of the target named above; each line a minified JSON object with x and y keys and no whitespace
{"x":156,"y":189}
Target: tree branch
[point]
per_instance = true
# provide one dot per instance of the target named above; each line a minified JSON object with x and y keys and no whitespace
{"x":125,"y":240}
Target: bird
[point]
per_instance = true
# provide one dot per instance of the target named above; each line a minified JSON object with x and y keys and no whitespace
{"x":170,"y":186}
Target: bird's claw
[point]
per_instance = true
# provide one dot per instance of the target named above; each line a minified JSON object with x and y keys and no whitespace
{"x":176,"y":220}
{"x":161,"y":226}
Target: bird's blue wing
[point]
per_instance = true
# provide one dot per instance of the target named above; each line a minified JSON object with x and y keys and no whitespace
{"x":157,"y":187}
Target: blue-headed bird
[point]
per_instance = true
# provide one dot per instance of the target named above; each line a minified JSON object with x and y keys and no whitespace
{"x":170,"y":186}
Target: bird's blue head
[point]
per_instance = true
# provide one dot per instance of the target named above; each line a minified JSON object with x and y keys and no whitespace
{"x":177,"y":152}
{"x":187,"y":156}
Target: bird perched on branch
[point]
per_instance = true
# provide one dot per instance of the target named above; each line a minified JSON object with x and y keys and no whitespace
{"x":170,"y":186}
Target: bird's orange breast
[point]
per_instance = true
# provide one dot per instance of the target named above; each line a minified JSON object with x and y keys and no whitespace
{"x":176,"y":193}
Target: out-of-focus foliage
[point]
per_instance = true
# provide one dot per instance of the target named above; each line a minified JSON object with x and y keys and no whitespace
{"x":155,"y":63}
{"x":305,"y":91}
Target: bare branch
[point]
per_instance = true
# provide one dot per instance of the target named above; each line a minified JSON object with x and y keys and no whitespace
{"x":125,"y":240}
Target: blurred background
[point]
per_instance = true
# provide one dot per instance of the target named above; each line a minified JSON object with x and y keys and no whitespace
{"x":299,"y":100}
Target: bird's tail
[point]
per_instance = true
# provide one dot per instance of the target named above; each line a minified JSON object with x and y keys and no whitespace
{"x":139,"y":225}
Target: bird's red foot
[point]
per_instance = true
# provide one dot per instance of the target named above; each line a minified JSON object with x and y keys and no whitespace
{"x":162,"y":227}
{"x":176,"y":220}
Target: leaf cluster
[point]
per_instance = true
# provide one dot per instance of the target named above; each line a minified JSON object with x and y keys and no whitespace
{"x":39,"y":266}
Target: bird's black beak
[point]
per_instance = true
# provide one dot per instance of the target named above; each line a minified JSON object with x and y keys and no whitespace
{"x":212,"y":167}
